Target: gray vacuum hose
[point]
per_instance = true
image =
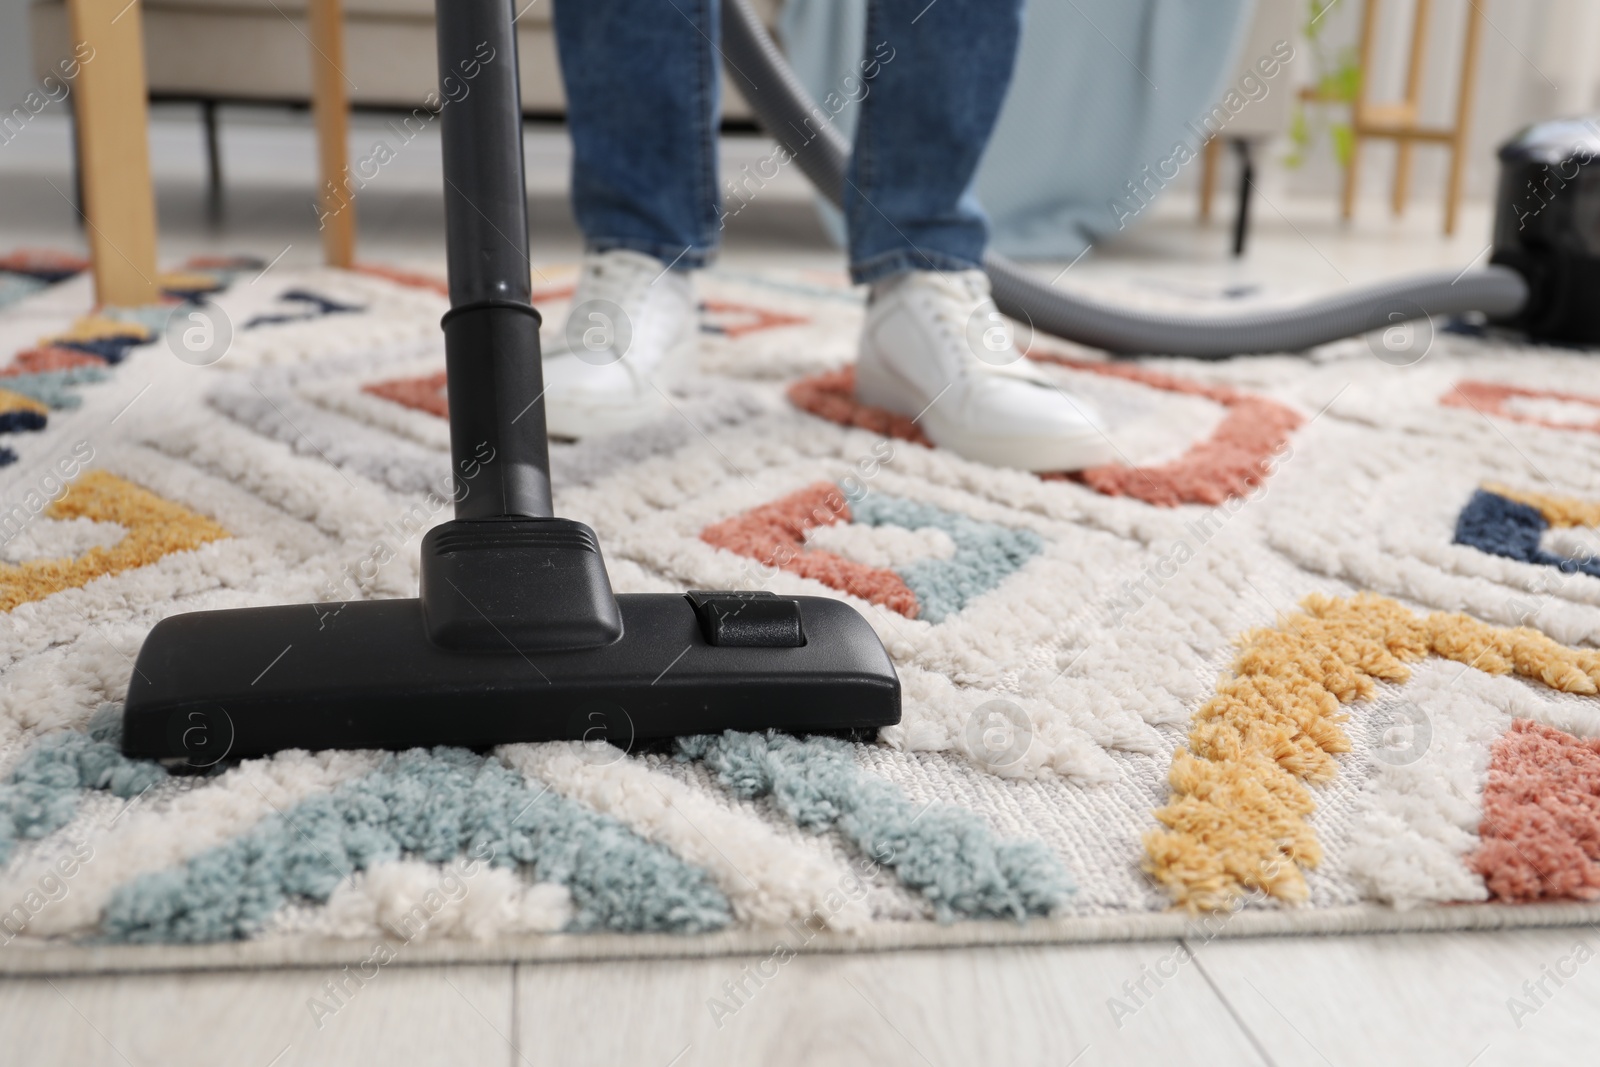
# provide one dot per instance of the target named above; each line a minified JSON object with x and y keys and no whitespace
{"x":757,"y":66}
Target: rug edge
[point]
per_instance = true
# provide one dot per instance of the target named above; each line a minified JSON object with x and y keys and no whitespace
{"x":38,"y":958}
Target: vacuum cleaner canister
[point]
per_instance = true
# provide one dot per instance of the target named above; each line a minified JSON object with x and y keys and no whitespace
{"x":1547,"y":227}
{"x":516,"y":635}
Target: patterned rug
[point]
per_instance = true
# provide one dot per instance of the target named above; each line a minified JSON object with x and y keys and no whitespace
{"x":1318,"y":652}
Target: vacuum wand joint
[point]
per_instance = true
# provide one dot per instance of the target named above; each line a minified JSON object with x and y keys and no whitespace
{"x":499,"y":455}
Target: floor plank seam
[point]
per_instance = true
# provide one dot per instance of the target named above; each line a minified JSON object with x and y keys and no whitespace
{"x":1238,"y":1020}
{"x":516,"y":1016}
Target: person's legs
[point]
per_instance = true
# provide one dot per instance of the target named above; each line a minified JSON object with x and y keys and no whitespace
{"x":933,"y":346}
{"x":642,"y":86}
{"x":940,"y":72}
{"x":642,"y":110}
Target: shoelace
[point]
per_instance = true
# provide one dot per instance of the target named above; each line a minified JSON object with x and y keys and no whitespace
{"x":950,"y":307}
{"x":964,"y":298}
{"x":621,"y":281}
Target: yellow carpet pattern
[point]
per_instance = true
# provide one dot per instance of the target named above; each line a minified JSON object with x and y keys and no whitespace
{"x":1236,"y":821}
{"x":156,"y":528}
{"x":1557,"y":510}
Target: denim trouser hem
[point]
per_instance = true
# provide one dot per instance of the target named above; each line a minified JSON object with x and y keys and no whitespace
{"x":883,"y":266}
{"x":642,"y":82}
{"x":678,"y":258}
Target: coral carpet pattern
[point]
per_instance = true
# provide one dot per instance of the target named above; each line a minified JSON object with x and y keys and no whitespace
{"x":1323,"y":640}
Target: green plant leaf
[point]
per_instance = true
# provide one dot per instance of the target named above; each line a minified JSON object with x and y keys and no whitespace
{"x":1344,"y":142}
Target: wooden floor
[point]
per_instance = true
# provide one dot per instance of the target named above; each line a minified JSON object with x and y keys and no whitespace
{"x":1411,"y":999}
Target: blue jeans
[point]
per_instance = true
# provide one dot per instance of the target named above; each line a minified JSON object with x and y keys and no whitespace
{"x":643,"y":105}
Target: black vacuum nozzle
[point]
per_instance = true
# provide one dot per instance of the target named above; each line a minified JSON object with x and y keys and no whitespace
{"x":366,"y":675}
{"x":517,"y":635}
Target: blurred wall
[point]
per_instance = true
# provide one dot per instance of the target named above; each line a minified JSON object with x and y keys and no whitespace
{"x":16,"y":53}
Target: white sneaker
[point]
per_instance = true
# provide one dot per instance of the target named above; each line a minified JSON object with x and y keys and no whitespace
{"x":920,"y":357}
{"x":633,"y":326}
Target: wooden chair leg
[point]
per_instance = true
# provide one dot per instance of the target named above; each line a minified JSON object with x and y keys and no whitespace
{"x":1352,"y":167}
{"x":1369,"y":25}
{"x":1402,"y":176}
{"x":113,"y":128}
{"x":1208,"y":177}
{"x":1458,"y":142}
{"x":1402,"y":161}
{"x":330,"y":106}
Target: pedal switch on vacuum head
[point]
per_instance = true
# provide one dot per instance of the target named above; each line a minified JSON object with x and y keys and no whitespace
{"x":748,"y":619}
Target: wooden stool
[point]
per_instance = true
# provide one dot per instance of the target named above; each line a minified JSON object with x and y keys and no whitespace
{"x":1398,"y":120}
{"x":113,"y":131}
{"x":330,"y":106}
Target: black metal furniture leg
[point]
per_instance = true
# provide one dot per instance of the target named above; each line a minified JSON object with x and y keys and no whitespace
{"x":208,"y":120}
{"x":1247,"y":184}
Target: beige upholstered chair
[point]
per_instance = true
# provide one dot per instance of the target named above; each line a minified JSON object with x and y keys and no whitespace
{"x":222,"y":51}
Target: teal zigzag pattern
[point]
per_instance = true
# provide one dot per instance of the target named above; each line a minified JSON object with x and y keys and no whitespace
{"x":985,"y":552}
{"x":947,"y":853}
{"x":443,"y":803}
{"x":55,"y":388}
{"x":434,"y":805}
{"x":41,"y":794}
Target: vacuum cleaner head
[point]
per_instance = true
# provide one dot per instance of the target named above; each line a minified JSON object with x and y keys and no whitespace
{"x":516,"y":635}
